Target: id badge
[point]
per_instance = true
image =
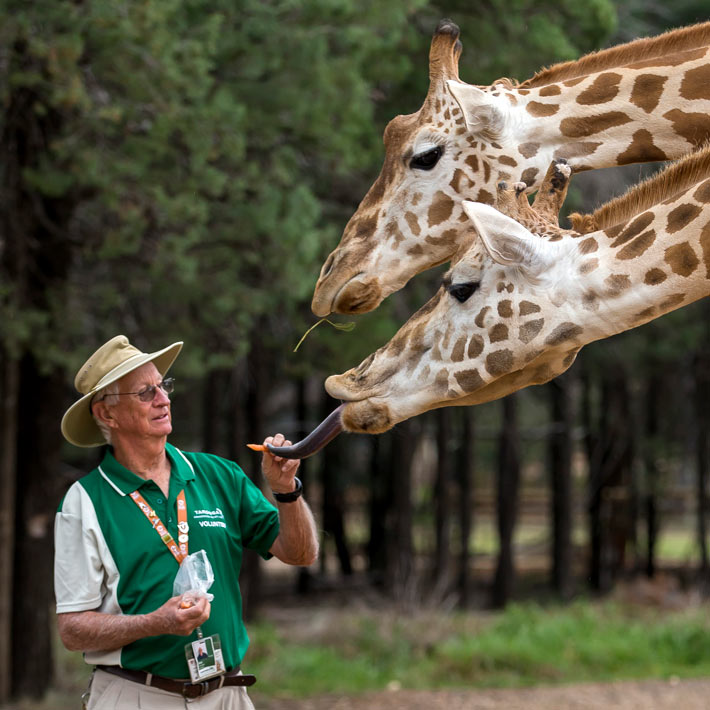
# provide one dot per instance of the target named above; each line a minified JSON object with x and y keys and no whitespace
{"x":204,"y":658}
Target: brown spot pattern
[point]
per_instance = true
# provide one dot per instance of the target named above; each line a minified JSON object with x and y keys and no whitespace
{"x":702,"y":194}
{"x":681,"y":217}
{"x":485,"y":196}
{"x":475,"y":346}
{"x":506,"y":160}
{"x":576,"y":149}
{"x":616,"y":283}
{"x":564,"y":331}
{"x":530,"y":330}
{"x":498,"y":333}
{"x":505,"y":309}
{"x":672,"y":301}
{"x":551,"y":90}
{"x":441,"y":209}
{"x":603,"y":89}
{"x":528,"y":307}
{"x":478,"y":320}
{"x":529,"y":175}
{"x":588,"y":245}
{"x":411,"y":219}
{"x":499,"y":362}
{"x":528,"y":150}
{"x":589,"y":125}
{"x":472,"y":162}
{"x":682,"y":259}
{"x":696,"y":83}
{"x":647,"y":91}
{"x":634,"y":228}
{"x":694,"y":127}
{"x":654,"y":277}
{"x":637,"y":246}
{"x":458,"y":350}
{"x":456,"y":180}
{"x":642,"y":149}
{"x":535,"y":108}
{"x":588,"y":266}
{"x":469,"y":380}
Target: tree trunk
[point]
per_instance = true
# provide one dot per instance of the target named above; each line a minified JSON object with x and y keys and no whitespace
{"x":378,"y":508}
{"x":304,"y":579}
{"x":442,"y":500}
{"x":702,"y":418}
{"x":35,"y":257}
{"x":465,"y":467}
{"x":400,"y":556}
{"x":257,"y":371}
{"x":653,"y":405}
{"x":610,"y":481}
{"x":507,"y":501}
{"x":9,"y":386}
{"x":38,"y":456}
{"x":334,"y":465}
{"x":560,"y":454}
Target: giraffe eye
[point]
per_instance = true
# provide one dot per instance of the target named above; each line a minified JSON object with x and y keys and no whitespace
{"x":462,"y":292}
{"x":426,"y":160}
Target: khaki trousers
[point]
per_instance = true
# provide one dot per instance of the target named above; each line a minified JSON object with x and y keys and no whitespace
{"x":109,"y":692}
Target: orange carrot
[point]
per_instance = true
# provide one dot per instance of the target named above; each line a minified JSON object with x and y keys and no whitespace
{"x":257,"y":447}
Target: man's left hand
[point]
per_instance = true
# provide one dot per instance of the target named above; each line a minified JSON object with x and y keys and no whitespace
{"x":278,"y":471}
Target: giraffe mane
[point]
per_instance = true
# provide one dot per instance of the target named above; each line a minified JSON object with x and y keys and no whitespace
{"x":672,"y":41}
{"x":676,"y":177}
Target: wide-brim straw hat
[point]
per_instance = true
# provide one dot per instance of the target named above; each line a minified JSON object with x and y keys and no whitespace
{"x":109,"y":363}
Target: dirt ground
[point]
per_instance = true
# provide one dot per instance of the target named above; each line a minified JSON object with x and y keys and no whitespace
{"x":642,"y":695}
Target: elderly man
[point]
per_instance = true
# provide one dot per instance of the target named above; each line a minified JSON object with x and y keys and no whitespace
{"x":122,"y":531}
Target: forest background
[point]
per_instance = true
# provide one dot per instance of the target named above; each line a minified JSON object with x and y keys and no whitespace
{"x":180,"y":169}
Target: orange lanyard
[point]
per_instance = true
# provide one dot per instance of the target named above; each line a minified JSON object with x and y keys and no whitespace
{"x":178,"y":551}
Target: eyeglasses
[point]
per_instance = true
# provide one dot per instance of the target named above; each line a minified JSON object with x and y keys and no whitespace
{"x":148,"y":393}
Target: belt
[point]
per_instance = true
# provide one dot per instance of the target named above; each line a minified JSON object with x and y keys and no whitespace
{"x":181,"y":687}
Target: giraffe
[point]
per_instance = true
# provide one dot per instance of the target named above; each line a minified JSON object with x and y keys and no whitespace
{"x":647,"y":100}
{"x":517,"y":307}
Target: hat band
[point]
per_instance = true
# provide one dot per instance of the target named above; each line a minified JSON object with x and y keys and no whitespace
{"x":106,"y":379}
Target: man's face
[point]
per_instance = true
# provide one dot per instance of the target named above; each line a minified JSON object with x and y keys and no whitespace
{"x":134,"y":419}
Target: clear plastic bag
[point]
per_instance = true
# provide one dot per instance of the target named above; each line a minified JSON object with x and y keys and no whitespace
{"x":194,"y":578}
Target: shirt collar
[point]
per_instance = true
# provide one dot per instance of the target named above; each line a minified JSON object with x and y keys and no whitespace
{"x":125,"y":481}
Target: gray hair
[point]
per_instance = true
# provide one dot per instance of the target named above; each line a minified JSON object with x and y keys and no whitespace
{"x":105,"y":392}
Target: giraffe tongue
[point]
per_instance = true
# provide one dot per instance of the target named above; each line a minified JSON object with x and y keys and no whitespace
{"x":326,"y":431}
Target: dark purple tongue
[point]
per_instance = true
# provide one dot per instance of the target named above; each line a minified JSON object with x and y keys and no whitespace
{"x":326,"y":431}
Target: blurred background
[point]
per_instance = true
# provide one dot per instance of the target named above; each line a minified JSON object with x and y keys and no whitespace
{"x":179,"y":170}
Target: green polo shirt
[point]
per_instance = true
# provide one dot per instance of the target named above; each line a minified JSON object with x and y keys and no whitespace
{"x":108,"y":557}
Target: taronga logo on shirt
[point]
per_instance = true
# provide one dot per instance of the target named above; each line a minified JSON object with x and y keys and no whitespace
{"x":210,"y":518}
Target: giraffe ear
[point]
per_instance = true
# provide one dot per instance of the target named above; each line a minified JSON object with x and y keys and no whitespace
{"x":507,"y":241}
{"x":482,"y":112}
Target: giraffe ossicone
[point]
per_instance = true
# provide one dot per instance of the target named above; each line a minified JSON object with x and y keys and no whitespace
{"x":648,"y":100}
{"x":515,"y":310}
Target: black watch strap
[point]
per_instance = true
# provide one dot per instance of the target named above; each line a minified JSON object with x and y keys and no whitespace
{"x":293,"y":495}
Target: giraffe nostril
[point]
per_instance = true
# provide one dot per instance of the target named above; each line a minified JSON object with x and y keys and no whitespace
{"x":327,"y":267}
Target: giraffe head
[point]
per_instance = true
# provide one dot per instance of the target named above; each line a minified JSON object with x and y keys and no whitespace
{"x":411,"y":217}
{"x":643,"y":101}
{"x":502,"y":319}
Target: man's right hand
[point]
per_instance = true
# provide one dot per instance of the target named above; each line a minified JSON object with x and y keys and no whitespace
{"x":172,"y":618}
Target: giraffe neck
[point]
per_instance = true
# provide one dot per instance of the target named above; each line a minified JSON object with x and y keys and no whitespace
{"x":630,"y":114}
{"x":649,"y":266}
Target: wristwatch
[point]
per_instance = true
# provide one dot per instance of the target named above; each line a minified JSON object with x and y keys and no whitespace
{"x":293,"y":495}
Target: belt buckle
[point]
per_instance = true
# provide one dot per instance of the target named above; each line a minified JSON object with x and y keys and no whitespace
{"x":193,"y":691}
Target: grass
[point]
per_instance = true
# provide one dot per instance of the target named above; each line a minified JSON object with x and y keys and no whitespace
{"x":311,"y":650}
{"x":523,"y":646}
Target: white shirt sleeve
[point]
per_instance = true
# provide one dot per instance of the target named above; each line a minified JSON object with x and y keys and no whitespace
{"x":85,"y":574}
